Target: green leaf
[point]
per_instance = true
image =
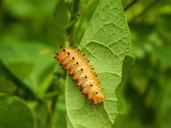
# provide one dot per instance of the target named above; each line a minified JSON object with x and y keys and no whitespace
{"x":105,"y":43}
{"x":14,"y":113}
{"x":31,"y":63}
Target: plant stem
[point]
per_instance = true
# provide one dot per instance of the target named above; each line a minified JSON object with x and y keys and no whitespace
{"x":130,"y":5}
{"x":73,"y":20}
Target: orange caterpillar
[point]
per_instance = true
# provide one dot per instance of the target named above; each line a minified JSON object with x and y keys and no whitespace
{"x":72,"y":59}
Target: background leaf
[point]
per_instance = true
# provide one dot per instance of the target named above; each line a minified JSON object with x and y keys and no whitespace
{"x":33,"y":60}
{"x":15,"y":113}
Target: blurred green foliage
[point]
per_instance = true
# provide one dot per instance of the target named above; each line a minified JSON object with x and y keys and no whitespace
{"x":147,"y":88}
{"x":31,"y":31}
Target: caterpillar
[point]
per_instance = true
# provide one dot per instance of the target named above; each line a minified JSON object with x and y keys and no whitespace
{"x":78,"y":66}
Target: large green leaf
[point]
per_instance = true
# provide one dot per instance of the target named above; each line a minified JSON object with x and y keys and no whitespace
{"x":14,"y":113}
{"x":105,"y":43}
{"x":31,"y":63}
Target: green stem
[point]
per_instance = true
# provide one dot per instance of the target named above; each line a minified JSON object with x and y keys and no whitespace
{"x":73,"y":20}
{"x":130,"y":5}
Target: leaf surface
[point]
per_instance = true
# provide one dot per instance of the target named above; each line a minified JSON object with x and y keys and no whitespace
{"x":105,"y":43}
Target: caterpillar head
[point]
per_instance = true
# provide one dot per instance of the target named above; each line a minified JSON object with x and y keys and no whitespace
{"x":99,"y":97}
